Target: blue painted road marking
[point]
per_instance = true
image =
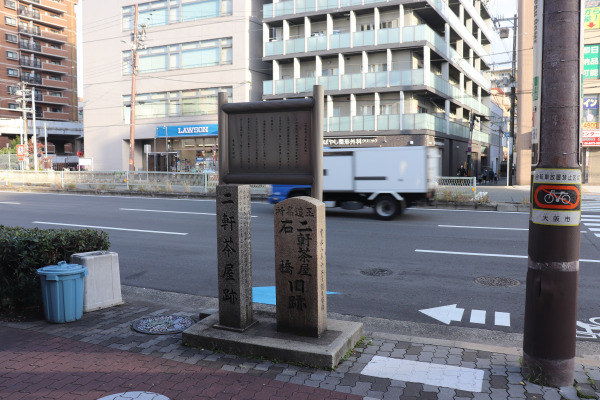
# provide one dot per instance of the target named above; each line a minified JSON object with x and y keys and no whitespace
{"x":266,"y":294}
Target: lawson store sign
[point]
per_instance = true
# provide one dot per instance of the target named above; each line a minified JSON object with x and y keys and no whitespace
{"x":187,"y":131}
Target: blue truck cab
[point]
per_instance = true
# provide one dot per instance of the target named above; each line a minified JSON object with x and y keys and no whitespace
{"x":282,"y":192}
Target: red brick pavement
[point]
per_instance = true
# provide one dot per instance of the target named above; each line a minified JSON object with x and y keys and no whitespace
{"x":39,"y":366}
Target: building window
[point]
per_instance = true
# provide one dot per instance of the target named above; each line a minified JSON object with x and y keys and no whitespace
{"x":164,"y":12}
{"x":204,"y":53}
{"x":56,"y":94}
{"x":57,"y":109}
{"x":54,"y":78}
{"x":174,"y":104}
{"x":11,"y":38}
{"x":10,"y":21}
{"x":13,"y":106}
{"x":12,"y":72}
{"x":12,"y":90}
{"x":12,"y":55}
{"x":12,"y":4}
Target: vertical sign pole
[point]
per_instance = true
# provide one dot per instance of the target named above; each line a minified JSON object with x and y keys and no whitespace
{"x":317,"y":143}
{"x":222,"y":139}
{"x":554,"y":225}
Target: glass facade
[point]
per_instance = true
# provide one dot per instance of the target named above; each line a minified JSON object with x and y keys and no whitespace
{"x":165,"y":12}
{"x":175,"y":103}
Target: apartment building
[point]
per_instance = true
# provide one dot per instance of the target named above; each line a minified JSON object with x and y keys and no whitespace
{"x":38,"y":44}
{"x":395,"y":72}
{"x":192,"y":50}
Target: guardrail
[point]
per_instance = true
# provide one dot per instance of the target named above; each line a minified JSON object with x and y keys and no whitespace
{"x":133,"y":181}
{"x":456,"y":189}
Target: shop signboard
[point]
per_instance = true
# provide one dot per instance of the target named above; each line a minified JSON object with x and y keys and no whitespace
{"x":590,"y":112}
{"x":187,"y":131}
{"x":591,"y":18}
{"x":590,"y":61}
{"x":590,"y":138}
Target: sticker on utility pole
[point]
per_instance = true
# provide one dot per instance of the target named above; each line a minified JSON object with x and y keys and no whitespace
{"x":556,"y":197}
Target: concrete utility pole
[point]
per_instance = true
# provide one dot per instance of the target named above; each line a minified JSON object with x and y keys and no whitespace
{"x":513,"y":99}
{"x":138,"y":43}
{"x":554,"y":225}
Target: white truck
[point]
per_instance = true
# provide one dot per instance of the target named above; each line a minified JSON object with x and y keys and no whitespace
{"x":389,"y":179}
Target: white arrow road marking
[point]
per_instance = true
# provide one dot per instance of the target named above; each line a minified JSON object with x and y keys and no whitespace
{"x":445,"y":314}
{"x":477,"y":317}
{"x":109,"y":228}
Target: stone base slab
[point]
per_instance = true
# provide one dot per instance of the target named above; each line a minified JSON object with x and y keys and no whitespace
{"x":263,"y":340}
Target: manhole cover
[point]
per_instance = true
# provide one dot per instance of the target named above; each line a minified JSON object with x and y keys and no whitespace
{"x":497,"y":281}
{"x":376,"y":272}
{"x":162,"y":324}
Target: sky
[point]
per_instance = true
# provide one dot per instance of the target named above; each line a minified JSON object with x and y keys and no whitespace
{"x":502,"y":48}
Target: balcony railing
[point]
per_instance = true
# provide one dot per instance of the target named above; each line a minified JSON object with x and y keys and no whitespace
{"x":30,"y":30}
{"x":25,"y":12}
{"x":347,"y":40}
{"x":26,"y":62}
{"x":37,"y":80}
{"x":30,"y":46}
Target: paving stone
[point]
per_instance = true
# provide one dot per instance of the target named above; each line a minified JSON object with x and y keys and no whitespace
{"x":429,"y":348}
{"x":455,"y":351}
{"x":468,"y":364}
{"x":465,"y":394}
{"x":398,"y":353}
{"x":430,"y":388}
{"x":425,"y":356}
{"x":411,"y":357}
{"x":428,"y":396}
{"x":403,"y":345}
{"x":438,"y":360}
{"x":469,"y":356}
{"x":446,"y":393}
{"x":343,"y":389}
{"x":498,"y":394}
{"x":551,"y":394}
{"x":587,"y":390}
{"x":361,"y":388}
{"x":394,"y":393}
{"x":483,"y":363}
{"x":413,"y":389}
{"x":380,"y":384}
{"x":414,"y":350}
{"x":516,"y":391}
{"x":372,"y":394}
{"x":533,"y":388}
{"x":395,"y":383}
{"x":454,"y":360}
{"x":568,"y":392}
{"x":515,"y":378}
{"x":499,"y":382}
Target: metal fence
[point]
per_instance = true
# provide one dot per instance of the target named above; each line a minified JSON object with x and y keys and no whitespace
{"x":456,"y":189}
{"x":134,"y":181}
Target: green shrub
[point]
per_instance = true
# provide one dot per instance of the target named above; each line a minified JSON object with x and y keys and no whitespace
{"x":23,"y":251}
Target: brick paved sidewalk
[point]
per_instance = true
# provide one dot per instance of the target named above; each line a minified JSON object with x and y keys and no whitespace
{"x":100,"y":355}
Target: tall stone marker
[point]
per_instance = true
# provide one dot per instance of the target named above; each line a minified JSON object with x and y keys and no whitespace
{"x":234,"y":257}
{"x":300,"y":273}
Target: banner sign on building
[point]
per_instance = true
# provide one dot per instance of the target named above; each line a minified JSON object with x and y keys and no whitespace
{"x":590,"y":112}
{"x":590,"y":138}
{"x":591,"y":18}
{"x":590,"y":61}
{"x":187,"y":131}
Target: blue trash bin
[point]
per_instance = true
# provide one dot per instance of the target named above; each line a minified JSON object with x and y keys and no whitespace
{"x":62,"y":291}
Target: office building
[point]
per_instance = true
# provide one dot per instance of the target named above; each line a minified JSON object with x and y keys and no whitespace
{"x":189,"y":51}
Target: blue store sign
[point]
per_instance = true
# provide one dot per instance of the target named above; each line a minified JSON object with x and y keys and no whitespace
{"x":187,"y":131}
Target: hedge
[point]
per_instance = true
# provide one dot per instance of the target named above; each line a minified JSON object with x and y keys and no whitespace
{"x":24,"y":250}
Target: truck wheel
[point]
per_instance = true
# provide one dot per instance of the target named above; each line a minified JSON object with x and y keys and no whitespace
{"x":386,"y":207}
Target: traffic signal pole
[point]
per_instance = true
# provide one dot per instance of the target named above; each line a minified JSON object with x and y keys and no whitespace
{"x":554,"y":224}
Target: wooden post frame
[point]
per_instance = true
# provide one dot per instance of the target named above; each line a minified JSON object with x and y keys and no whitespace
{"x":272,"y":142}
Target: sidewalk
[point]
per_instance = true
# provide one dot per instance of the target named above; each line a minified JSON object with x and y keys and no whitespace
{"x":100,"y":356}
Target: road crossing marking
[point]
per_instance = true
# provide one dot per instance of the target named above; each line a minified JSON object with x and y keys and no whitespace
{"x":109,"y":228}
{"x":9,"y":202}
{"x":450,"y":376}
{"x":462,"y":253}
{"x":483,"y":227}
{"x":172,"y":212}
{"x":477,"y":317}
{"x":502,"y":318}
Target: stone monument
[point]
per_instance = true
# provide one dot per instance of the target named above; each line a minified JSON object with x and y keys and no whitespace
{"x":300,"y":272}
{"x":234,"y":257}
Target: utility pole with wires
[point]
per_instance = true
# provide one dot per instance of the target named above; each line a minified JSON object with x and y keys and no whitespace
{"x":503,"y":31}
{"x":139,"y":37}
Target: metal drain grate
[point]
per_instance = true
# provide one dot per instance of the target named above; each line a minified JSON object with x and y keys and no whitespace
{"x":497,"y":281}
{"x":376,"y":272}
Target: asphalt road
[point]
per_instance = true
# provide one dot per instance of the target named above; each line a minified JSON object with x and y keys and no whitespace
{"x":425,"y":259}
